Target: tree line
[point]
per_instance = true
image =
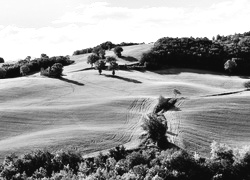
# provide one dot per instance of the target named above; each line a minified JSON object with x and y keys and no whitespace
{"x":108,"y":45}
{"x":201,"y":53}
{"x":50,"y":66}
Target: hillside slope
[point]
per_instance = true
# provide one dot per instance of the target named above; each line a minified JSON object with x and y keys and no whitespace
{"x":92,"y":112}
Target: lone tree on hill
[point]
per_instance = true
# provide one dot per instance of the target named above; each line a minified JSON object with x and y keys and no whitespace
{"x":176,"y":92}
{"x":100,"y":65}
{"x":118,"y":51}
{"x":1,"y":60}
{"x":92,"y":59}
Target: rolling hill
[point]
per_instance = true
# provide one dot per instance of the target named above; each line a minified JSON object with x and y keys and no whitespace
{"x":90,"y":112}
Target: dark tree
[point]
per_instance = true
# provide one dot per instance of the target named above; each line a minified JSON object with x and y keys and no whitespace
{"x":92,"y":59}
{"x":118,"y":51}
{"x":1,"y":60}
{"x":100,"y":65}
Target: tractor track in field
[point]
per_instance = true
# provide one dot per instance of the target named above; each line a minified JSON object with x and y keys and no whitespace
{"x":129,"y":131}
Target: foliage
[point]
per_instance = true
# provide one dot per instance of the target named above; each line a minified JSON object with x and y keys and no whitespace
{"x":118,"y":153}
{"x":110,"y":59}
{"x":118,"y":51}
{"x":1,"y":60}
{"x":2,"y":73}
{"x":148,"y":164}
{"x":246,"y":84}
{"x":92,"y":59}
{"x":105,"y":46}
{"x":24,"y":70}
{"x":100,"y":65}
{"x":230,"y":65}
{"x":30,"y":66}
{"x":83,"y":51}
{"x":201,"y":53}
{"x":155,"y":128}
{"x":53,"y":71}
{"x":102,"y":53}
{"x":136,"y":158}
{"x":164,"y":104}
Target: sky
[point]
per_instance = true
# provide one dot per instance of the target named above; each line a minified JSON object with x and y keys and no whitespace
{"x":59,"y":27}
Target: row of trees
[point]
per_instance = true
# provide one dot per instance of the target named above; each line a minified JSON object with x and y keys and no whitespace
{"x":27,"y":66}
{"x":103,"y":46}
{"x":98,"y":59}
{"x":200,"y":53}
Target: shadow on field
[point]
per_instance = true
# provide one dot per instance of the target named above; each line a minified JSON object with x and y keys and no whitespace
{"x":129,"y":58}
{"x":176,"y":71}
{"x":124,"y":79}
{"x":85,"y":69}
{"x":71,"y":81}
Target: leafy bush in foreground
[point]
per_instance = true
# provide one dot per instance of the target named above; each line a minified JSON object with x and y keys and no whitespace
{"x":149,"y":163}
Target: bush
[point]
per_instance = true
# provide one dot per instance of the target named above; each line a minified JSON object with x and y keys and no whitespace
{"x":24,"y":70}
{"x":2,"y":73}
{"x":110,"y":59}
{"x":136,"y":158}
{"x":247,"y":84}
{"x":118,"y":153}
{"x":156,"y":129}
{"x":54,"y":71}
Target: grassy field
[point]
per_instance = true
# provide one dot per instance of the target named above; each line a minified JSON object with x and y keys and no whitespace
{"x":92,"y":112}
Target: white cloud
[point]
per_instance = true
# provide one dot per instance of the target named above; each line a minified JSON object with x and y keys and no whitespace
{"x":89,"y":25}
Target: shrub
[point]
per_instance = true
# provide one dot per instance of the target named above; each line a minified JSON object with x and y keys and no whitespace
{"x":164,"y":104}
{"x":136,"y":158}
{"x":118,"y":153}
{"x":54,"y":71}
{"x":155,"y":128}
{"x":247,"y":84}
{"x":24,"y":70}
{"x":118,"y":51}
{"x":2,"y":73}
{"x":230,"y":65}
{"x":110,"y":59}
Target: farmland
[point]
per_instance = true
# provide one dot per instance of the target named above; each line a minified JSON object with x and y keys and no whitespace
{"x":91,"y":112}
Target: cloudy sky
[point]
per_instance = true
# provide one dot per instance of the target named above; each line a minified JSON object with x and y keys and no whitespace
{"x":59,"y":27}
